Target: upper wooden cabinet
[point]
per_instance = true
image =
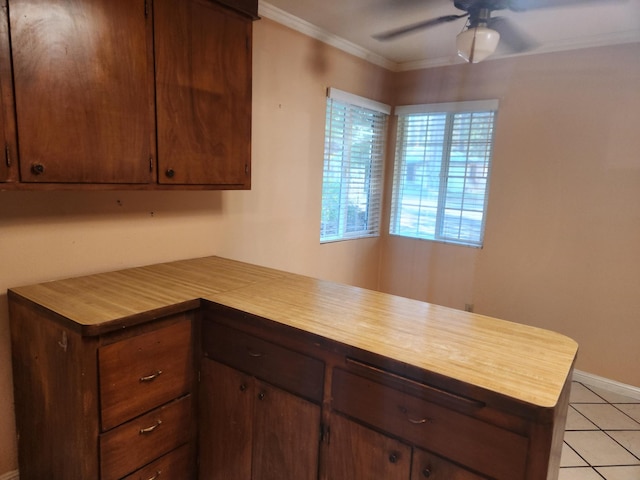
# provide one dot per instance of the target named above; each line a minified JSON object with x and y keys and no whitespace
{"x":8,"y":153}
{"x":85,"y":93}
{"x":203,"y":85}
{"x":84,"y":90}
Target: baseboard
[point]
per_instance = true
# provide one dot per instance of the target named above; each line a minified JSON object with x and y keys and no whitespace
{"x":10,"y":475}
{"x":605,"y":383}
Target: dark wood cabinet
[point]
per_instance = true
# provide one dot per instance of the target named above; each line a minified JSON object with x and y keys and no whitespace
{"x":101,"y":84}
{"x":260,"y":406}
{"x":83,"y":75}
{"x":203,"y":85}
{"x":8,"y":145}
{"x":354,"y":451}
{"x":251,"y":430}
{"x":103,"y":407}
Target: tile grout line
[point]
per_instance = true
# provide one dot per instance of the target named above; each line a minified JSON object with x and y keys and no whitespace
{"x":599,"y":429}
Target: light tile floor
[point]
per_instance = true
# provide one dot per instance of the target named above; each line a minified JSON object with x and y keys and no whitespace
{"x":602,"y":436}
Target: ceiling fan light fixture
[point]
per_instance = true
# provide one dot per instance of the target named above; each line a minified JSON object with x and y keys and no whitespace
{"x":477,"y":43}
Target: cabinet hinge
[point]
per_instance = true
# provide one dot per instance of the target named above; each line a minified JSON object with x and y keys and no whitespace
{"x":7,"y":155}
{"x":151,"y":163}
{"x":146,"y":8}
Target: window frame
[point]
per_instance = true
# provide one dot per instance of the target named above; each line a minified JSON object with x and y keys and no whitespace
{"x":372,"y":185}
{"x":452,"y":111}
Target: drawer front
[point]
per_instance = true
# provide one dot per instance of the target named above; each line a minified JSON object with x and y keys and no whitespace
{"x":478,"y":445}
{"x":144,"y":439}
{"x":173,"y":465}
{"x":280,"y":366}
{"x":427,"y":465}
{"x":143,"y":372}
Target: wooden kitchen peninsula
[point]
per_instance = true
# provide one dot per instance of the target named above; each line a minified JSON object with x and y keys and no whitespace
{"x":215,"y":369}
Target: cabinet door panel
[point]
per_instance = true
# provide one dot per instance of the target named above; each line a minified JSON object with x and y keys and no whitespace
{"x":203,"y":84}
{"x":225,"y":422}
{"x":354,"y":451}
{"x":84,"y":90}
{"x":286,"y":435}
{"x":8,"y":152}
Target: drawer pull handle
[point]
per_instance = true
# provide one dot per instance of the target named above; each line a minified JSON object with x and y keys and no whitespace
{"x":415,"y":421}
{"x":393,"y":458}
{"x":254,"y":354}
{"x":150,"y":378}
{"x":156,"y":476}
{"x":150,"y":429}
{"x":426,"y":472}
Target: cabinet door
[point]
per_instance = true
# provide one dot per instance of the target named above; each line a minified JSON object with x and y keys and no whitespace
{"x":203,"y":84}
{"x":286,"y":436}
{"x":8,"y":152}
{"x":354,"y":451}
{"x":225,"y":422}
{"x":433,"y":467}
{"x":84,"y":90}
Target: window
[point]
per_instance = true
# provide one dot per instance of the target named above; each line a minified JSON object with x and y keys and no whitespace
{"x":353,"y":164}
{"x":441,"y":174}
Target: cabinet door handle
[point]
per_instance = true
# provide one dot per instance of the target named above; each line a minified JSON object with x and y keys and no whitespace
{"x":253,"y":353}
{"x":152,"y":377}
{"x":37,"y":169}
{"x":261,"y":396}
{"x":150,"y":429}
{"x":426,"y":472}
{"x":156,"y":476}
{"x":393,"y":458}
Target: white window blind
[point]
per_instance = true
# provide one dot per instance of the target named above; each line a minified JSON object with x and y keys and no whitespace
{"x":355,"y":135}
{"x":441,"y":172}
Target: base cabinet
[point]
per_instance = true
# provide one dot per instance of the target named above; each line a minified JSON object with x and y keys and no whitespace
{"x":102,"y":407}
{"x":228,"y":387}
{"x":355,"y":451}
{"x":250,"y":429}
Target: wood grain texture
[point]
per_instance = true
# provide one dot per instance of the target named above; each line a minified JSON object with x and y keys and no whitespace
{"x":84,"y":90}
{"x":55,"y":384}
{"x":144,"y":371}
{"x":520,"y":362}
{"x":203,"y":85}
{"x":8,"y":158}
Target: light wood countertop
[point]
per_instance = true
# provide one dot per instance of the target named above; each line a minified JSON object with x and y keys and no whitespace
{"x":522,"y":362}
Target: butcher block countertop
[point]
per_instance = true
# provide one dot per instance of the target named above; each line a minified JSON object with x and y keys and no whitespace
{"x":522,"y":362}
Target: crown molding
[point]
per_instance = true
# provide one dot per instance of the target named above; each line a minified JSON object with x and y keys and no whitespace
{"x":295,"y":23}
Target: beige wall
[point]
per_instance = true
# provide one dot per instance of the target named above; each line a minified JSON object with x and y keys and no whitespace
{"x":562,"y":245}
{"x":50,"y":235}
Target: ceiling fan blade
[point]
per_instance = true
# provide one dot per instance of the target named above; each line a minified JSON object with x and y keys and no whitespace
{"x":523,"y":5}
{"x":391,"y":34}
{"x":512,"y":37}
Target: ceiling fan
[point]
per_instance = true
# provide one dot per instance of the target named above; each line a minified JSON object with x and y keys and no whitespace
{"x":483,"y":31}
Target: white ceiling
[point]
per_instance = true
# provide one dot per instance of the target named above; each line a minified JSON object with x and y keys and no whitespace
{"x":350,"y":24}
